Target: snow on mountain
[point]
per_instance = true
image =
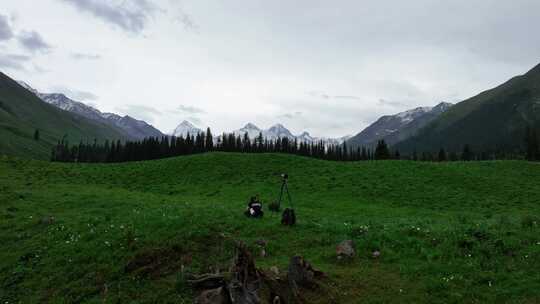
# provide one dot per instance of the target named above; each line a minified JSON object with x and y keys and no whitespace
{"x":63,"y":102}
{"x":27,"y":86}
{"x":134,"y":128}
{"x":252,"y":131}
{"x":278,"y":131}
{"x":334,"y":141}
{"x":185,"y":128}
{"x":395,"y":128}
{"x":410,"y":115}
{"x":305,"y":137}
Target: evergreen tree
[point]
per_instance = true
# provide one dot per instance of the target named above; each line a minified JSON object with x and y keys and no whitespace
{"x":467,"y":154}
{"x":209,"y":144}
{"x":532,"y":146}
{"x":415,"y":155}
{"x":381,"y":151}
{"x":442,"y":155}
{"x":36,"y":135}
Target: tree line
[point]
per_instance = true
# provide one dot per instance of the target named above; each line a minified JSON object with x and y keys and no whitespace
{"x":167,"y":146}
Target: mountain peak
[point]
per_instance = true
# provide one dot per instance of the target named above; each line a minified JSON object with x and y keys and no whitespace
{"x":442,"y":106}
{"x":184,"y":128}
{"x":186,"y":123}
{"x":251,"y":126}
{"x":278,"y":126}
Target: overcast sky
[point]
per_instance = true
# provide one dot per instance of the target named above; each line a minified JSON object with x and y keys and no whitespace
{"x":328,"y":67}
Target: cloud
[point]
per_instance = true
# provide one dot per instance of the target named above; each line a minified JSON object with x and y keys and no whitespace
{"x":323,"y":95}
{"x":190,"y":109}
{"x":290,"y":115}
{"x":15,"y":62}
{"x":83,"y":56}
{"x":33,"y":42}
{"x":348,"y":97}
{"x":140,"y":112}
{"x":130,"y":16}
{"x":187,"y":21}
{"x":75,"y":94}
{"x":384,"y":102}
{"x":318,"y":94}
{"x":6,"y":33}
{"x":195,"y":120}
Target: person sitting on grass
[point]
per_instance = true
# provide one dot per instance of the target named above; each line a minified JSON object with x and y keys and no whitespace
{"x":254,"y":208}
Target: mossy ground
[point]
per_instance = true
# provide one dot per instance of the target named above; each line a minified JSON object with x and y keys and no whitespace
{"x":447,"y":232}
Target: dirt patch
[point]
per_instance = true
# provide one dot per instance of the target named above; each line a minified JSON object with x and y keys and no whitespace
{"x":157,"y":262}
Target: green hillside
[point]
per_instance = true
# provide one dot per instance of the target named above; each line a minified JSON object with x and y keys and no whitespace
{"x":447,"y":232}
{"x":21,"y":113}
{"x":494,"y":120}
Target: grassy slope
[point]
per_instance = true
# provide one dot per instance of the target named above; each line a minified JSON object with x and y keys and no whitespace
{"x":492,"y":120}
{"x":448,"y":232}
{"x":21,"y":113}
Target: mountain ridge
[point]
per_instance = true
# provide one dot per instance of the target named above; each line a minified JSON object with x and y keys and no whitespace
{"x":23,"y":114}
{"x":493,"y":120}
{"x":397,"y":127}
{"x":137,"y":129}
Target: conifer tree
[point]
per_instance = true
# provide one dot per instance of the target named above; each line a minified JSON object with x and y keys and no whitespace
{"x":442,"y":155}
{"x":467,"y":154}
{"x":209,"y":144}
{"x":532,"y":146}
{"x":381,"y":151}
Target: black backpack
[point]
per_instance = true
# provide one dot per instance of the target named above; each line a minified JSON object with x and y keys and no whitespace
{"x":288,"y":218}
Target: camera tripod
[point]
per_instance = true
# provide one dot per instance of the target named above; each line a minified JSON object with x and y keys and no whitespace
{"x":284,"y":188}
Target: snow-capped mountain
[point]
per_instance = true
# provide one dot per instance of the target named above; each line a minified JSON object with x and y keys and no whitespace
{"x":252,"y":131}
{"x":185,"y":128}
{"x":334,"y":141}
{"x":27,"y":86}
{"x":305,"y":137}
{"x":395,"y":128}
{"x":280,"y":131}
{"x":136,"y":129}
{"x":61,"y":101}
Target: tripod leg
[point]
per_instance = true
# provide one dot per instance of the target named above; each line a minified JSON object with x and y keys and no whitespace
{"x":289,"y":196}
{"x":281,"y":195}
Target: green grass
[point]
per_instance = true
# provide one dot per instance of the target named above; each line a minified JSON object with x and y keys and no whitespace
{"x":448,"y":232}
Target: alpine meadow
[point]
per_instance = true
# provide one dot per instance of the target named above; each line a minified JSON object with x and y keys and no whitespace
{"x":254,"y":152}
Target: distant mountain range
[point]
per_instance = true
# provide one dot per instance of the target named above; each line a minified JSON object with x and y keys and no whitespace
{"x":494,"y":120}
{"x":133,"y":128}
{"x":274,"y":132}
{"x":398,"y":127}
